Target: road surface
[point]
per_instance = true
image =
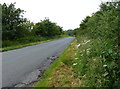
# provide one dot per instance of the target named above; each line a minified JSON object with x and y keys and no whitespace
{"x":18,"y":63}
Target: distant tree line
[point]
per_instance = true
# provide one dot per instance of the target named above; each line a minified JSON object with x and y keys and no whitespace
{"x":70,"y":32}
{"x":14,"y":26}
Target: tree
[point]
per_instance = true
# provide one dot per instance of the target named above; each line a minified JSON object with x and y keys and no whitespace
{"x":83,"y":25}
{"x":70,"y":32}
{"x":47,"y":28}
{"x":27,"y":28}
{"x":12,"y":20}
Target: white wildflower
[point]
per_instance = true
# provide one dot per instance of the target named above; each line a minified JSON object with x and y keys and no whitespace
{"x":88,"y":41}
{"x":88,"y":49}
{"x":104,"y":65}
{"x":74,"y":64}
{"x":85,"y":42}
{"x":105,"y":74}
{"x":81,"y":54}
{"x":76,"y":58}
{"x":77,"y":45}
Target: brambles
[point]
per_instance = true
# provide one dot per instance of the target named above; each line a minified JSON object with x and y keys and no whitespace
{"x":100,"y":66}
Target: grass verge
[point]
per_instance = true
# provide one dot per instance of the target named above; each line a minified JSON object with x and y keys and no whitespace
{"x":23,"y":42}
{"x":80,"y":65}
{"x":60,"y":73}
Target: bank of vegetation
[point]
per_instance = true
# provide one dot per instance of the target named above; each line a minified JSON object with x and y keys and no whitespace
{"x":94,"y":59}
{"x":99,"y":54}
{"x":18,"y":31}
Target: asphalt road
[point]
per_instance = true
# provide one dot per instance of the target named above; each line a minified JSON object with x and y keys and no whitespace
{"x":18,"y":63}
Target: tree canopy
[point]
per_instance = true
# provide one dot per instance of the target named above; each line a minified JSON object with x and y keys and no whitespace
{"x":15,"y":26}
{"x":12,"y":20}
{"x":47,"y":28}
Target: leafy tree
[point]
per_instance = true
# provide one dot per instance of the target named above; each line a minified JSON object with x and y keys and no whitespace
{"x":12,"y":20}
{"x":83,"y":25}
{"x":47,"y":28}
{"x":27,"y":28}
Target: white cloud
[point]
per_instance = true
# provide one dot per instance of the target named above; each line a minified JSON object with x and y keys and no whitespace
{"x":66,"y":13}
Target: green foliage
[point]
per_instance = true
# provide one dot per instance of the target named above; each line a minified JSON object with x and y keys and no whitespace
{"x":70,"y":32}
{"x":20,"y":41}
{"x":103,"y":27}
{"x":18,"y":30}
{"x":26,"y":41}
{"x":11,"y":21}
{"x":83,"y":25}
{"x":26,"y":29}
{"x":47,"y":28}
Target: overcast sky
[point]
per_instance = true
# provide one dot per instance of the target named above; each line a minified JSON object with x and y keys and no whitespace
{"x":66,"y":13}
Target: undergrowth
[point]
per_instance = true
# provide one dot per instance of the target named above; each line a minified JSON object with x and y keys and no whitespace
{"x":99,"y":54}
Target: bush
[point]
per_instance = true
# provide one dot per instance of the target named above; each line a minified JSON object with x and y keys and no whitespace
{"x":102,"y":27}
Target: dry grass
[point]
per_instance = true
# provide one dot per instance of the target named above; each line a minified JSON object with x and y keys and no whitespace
{"x":61,"y":73}
{"x":63,"y":77}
